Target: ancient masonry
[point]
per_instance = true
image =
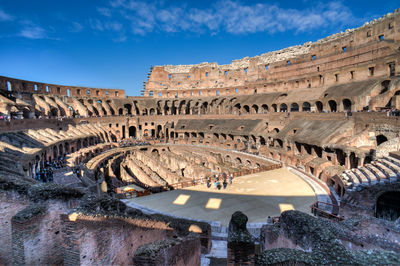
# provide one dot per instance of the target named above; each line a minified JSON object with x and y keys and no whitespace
{"x":328,"y":110}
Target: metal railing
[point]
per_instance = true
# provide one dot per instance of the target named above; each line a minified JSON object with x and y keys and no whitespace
{"x":316,"y":209}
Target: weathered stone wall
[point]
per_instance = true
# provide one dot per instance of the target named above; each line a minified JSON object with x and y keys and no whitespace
{"x":339,"y":58}
{"x":171,"y":251}
{"x":107,"y":240}
{"x":36,"y":234}
{"x":10,"y":204}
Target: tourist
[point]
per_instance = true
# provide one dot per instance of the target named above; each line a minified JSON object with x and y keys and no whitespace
{"x":208,"y":184}
{"x":269,"y":220}
{"x":224,"y":183}
{"x":230,"y":179}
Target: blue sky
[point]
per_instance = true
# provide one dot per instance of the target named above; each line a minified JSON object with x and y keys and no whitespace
{"x":113,"y":43}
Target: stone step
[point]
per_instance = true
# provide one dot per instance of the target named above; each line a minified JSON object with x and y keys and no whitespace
{"x":353,"y":177}
{"x":374,"y":176}
{"x":391,"y":165}
{"x":361,"y":176}
{"x":386,"y":170}
{"x":382,"y":176}
{"x":393,"y":159}
{"x":371,"y":175}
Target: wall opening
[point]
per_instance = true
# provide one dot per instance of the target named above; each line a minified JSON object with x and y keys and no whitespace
{"x":388,"y":206}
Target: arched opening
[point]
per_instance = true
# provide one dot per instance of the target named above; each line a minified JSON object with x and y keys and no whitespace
{"x":294,"y":107}
{"x":385,"y":86}
{"x":254,"y":109}
{"x":53,"y":111}
{"x":380,"y":139}
{"x":283,"y":107}
{"x":306,"y":107}
{"x":120,"y":111}
{"x":262,"y":141}
{"x":275,"y":107}
{"x":128,"y":108}
{"x":152,"y":112}
{"x":159,"y":129}
{"x":332,"y":106}
{"x":132,"y":132}
{"x":346,"y":105}
{"x":246,"y":109}
{"x":96,"y":111}
{"x":388,"y":206}
{"x":153,"y":133}
{"x":238,"y":160}
{"x":264,"y":108}
{"x":320,"y":106}
{"x":26,"y":112}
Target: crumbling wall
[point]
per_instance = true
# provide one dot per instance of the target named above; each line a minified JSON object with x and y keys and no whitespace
{"x":171,"y":251}
{"x":299,"y":238}
{"x":10,"y":204}
{"x":106,"y":240}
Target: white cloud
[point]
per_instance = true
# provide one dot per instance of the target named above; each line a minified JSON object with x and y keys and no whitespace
{"x":5,"y":17}
{"x":76,"y":27}
{"x":104,"y":11}
{"x":225,"y":15}
{"x":33,"y":32}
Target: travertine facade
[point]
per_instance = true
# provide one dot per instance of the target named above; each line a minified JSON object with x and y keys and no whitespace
{"x":328,"y":109}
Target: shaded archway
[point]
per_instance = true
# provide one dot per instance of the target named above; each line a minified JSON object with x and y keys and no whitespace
{"x":283,"y":107}
{"x":132,"y":132}
{"x":332,"y":106}
{"x":306,"y":107}
{"x":294,"y":107}
{"x":380,"y":139}
{"x":346,"y":105}
{"x":388,"y":206}
{"x":319,"y":105}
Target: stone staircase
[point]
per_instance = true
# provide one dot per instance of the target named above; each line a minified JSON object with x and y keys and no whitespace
{"x":383,"y":170}
{"x":66,"y":176}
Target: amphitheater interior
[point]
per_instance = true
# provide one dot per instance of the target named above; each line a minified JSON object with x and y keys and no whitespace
{"x":74,"y":159}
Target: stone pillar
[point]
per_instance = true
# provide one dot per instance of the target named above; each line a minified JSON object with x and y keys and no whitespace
{"x":241,"y":248}
{"x":361,"y":161}
{"x":347,"y":161}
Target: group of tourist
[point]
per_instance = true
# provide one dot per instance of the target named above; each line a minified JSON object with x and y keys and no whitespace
{"x":47,"y":173}
{"x":216,"y":181}
{"x":132,"y":142}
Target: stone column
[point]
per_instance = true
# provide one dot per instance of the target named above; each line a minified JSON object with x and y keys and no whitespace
{"x":347,"y":161}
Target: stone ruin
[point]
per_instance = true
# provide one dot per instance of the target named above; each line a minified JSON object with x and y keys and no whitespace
{"x":328,"y":110}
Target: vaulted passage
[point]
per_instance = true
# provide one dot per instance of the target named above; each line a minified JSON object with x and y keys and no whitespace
{"x":388,"y":206}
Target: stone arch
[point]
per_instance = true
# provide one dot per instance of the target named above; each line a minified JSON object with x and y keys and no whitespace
{"x":238,"y":160}
{"x":332,"y":106}
{"x":275,"y":107}
{"x":320,"y":106}
{"x":283,"y":108}
{"x":254,"y":109}
{"x":346,"y":105}
{"x":264,"y":108}
{"x":128,"y":108}
{"x":294,"y":107}
{"x":120,"y":111}
{"x":132,"y":132}
{"x":306,"y":107}
{"x":246,"y":109}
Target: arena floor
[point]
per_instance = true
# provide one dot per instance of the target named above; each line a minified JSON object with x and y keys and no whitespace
{"x":257,"y":195}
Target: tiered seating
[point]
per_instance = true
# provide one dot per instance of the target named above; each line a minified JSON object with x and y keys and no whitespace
{"x":383,"y":170}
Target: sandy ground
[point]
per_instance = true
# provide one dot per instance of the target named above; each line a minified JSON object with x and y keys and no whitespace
{"x":257,"y":195}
